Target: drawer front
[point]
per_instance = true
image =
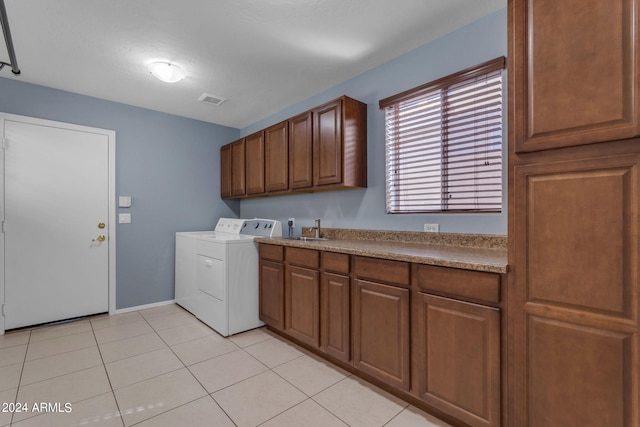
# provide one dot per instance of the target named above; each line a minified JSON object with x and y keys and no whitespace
{"x":395,"y":272}
{"x":303,"y":257}
{"x":331,"y":261}
{"x":272,"y":252}
{"x":474,"y":285}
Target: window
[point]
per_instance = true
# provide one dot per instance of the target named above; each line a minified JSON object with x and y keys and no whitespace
{"x":444,"y":144}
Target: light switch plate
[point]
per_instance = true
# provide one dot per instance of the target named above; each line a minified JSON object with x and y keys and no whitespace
{"x":124,"y":201}
{"x":124,"y":218}
{"x":432,"y":228}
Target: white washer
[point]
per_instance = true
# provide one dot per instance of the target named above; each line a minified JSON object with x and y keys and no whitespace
{"x":217,"y":273}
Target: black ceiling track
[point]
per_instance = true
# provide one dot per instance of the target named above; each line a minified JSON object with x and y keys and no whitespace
{"x":4,"y":22}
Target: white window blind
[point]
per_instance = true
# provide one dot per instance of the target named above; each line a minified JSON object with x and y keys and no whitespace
{"x":444,"y":144}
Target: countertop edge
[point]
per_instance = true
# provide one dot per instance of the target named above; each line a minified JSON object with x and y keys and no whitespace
{"x":395,"y":251}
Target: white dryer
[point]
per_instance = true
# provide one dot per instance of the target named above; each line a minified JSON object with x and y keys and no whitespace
{"x":217,"y":273}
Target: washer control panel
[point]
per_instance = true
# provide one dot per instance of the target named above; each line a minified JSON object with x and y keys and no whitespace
{"x":253,"y":227}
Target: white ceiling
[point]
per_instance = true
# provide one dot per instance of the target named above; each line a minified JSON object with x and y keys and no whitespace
{"x":263,"y":55}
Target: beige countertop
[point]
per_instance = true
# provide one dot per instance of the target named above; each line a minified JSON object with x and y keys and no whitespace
{"x":470,"y":252}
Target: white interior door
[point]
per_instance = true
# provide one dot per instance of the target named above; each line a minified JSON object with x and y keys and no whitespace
{"x":56,"y":222}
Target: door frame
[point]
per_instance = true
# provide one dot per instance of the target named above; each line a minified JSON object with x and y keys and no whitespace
{"x":111,"y":235}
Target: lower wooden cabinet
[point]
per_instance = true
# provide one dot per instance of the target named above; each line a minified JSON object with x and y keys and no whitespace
{"x":271,"y":285}
{"x":381,"y":332}
{"x":334,"y":314}
{"x":272,"y":293}
{"x":457,"y":357}
{"x":384,"y":319}
{"x":302,"y":307}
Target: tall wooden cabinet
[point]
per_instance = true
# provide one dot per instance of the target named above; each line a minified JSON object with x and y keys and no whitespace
{"x":574,"y":199}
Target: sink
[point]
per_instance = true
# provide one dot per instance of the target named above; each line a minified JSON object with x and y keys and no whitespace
{"x":306,"y":239}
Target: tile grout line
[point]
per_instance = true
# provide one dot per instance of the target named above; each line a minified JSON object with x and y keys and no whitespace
{"x":24,"y":361}
{"x":184,"y":366}
{"x":104,"y":367}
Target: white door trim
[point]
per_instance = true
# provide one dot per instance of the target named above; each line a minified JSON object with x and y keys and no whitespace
{"x":111,"y":238}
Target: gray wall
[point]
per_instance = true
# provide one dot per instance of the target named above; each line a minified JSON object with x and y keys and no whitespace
{"x":480,"y":41}
{"x":169,"y":165}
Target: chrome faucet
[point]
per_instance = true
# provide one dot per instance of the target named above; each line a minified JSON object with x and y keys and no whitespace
{"x":316,"y":228}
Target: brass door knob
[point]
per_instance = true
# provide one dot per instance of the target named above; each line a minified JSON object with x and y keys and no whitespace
{"x":99,"y":239}
{"x":101,"y":225}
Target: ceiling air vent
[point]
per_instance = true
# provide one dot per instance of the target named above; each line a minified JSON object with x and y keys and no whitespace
{"x":211,"y":99}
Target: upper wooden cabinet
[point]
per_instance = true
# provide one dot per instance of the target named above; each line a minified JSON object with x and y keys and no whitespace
{"x":321,"y":149}
{"x":574,"y":74}
{"x":276,"y":143}
{"x":254,"y":163}
{"x":327,"y":144}
{"x":340,"y":144}
{"x":225,"y":171}
{"x":238,"y":187}
{"x":301,"y":151}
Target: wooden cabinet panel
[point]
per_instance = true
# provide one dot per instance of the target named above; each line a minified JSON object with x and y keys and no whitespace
{"x":331,"y":261}
{"x":381,"y":332}
{"x":579,"y":235}
{"x":302,"y":307}
{"x":302,"y":257}
{"x":466,"y":284}
{"x":319,"y":150}
{"x":578,"y":376}
{"x":225,"y":171}
{"x":276,"y":145}
{"x":582,"y":87}
{"x":458,"y":358}
{"x":575,"y":315}
{"x":271,"y":284}
{"x":271,"y":252}
{"x":254,"y":163}
{"x":327,"y":144}
{"x":396,"y":272}
{"x":301,"y":151}
{"x":237,"y":168}
{"x":334,"y":314}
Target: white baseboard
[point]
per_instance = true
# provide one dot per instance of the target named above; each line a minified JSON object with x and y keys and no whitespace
{"x":142,"y":307}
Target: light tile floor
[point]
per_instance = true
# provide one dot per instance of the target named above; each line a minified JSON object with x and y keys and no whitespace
{"x":163,"y":367}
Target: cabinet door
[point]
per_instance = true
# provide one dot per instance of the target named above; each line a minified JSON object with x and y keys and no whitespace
{"x":327,"y":144}
{"x":225,"y":171}
{"x":302,"y":305}
{"x":301,"y":151}
{"x":335,"y":316}
{"x":276,"y":155}
{"x":272,"y":293}
{"x":575,"y":309}
{"x":237,"y":168}
{"x":254,"y":161}
{"x":579,"y":88}
{"x":381,"y":332}
{"x":458,"y":358}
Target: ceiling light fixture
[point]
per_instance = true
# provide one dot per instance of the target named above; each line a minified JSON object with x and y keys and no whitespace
{"x":167,"y":72}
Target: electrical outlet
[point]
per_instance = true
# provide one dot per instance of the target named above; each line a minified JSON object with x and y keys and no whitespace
{"x":432,"y":228}
{"x":292,"y":222}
